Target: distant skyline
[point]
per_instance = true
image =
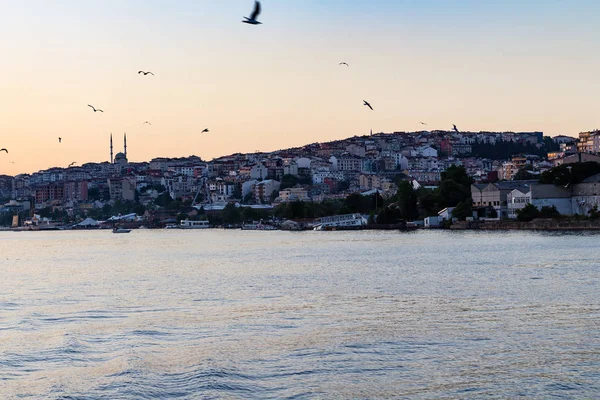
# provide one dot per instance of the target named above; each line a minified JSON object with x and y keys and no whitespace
{"x":499,"y":66}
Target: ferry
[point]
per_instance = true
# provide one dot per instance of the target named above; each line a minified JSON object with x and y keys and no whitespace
{"x":346,"y":221}
{"x":187,"y":224}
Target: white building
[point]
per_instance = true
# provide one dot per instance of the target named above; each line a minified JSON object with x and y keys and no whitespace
{"x":517,"y":200}
{"x":427,"y":151}
{"x":259,"y":171}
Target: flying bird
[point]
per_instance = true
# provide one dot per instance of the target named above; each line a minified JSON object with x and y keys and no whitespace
{"x":94,"y":108}
{"x":455,"y":128}
{"x":146,"y":122}
{"x":73,"y":163}
{"x":4,"y":150}
{"x":59,"y":139}
{"x":343,"y":63}
{"x":252,"y":20}
{"x":368,"y":105}
{"x":145,"y":73}
{"x":205,"y":130}
{"x":422,"y":123}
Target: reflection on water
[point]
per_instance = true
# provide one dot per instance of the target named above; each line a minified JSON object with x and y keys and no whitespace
{"x":233,"y":314}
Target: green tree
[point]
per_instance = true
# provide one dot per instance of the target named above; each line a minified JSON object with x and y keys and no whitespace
{"x":288,"y":181}
{"x":249,"y":214}
{"x":407,"y":200}
{"x":163,"y":200}
{"x":463,"y":210}
{"x":570,"y":174}
{"x":451,"y":193}
{"x":231,"y":214}
{"x":524,"y":174}
{"x":458,"y":174}
{"x":389,"y":215}
{"x":549,"y":212}
{"x":94,"y":194}
{"x":528,"y":213}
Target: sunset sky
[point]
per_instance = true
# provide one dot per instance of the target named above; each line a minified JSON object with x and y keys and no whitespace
{"x":503,"y":65}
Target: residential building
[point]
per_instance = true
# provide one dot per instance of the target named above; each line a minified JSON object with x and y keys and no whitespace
{"x":294,"y":194}
{"x":122,"y":188}
{"x":263,"y":190}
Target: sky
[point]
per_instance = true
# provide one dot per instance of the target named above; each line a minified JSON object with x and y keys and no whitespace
{"x":500,"y":66}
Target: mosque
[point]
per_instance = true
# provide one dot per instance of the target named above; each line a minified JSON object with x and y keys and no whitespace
{"x":120,"y":158}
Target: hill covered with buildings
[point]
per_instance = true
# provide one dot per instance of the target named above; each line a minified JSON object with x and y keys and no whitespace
{"x":374,"y":165}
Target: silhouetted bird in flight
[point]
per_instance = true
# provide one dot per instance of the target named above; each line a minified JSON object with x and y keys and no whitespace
{"x":145,"y":73}
{"x":252,"y":20}
{"x":422,"y":123}
{"x":455,"y":128}
{"x":205,"y":130}
{"x":146,"y":122}
{"x":368,"y":105}
{"x":4,"y":150}
{"x":73,"y":163}
{"x":59,"y":140}
{"x":94,"y":108}
{"x":343,"y":63}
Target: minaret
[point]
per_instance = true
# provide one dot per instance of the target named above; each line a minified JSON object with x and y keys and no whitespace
{"x":125,"y":144}
{"x":111,"y":149}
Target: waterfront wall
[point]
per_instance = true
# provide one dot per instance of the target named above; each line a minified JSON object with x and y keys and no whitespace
{"x":538,"y":224}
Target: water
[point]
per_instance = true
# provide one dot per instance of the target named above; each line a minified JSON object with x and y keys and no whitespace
{"x":259,"y":315}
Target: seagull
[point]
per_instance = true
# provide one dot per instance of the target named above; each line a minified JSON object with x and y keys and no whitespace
{"x":343,"y":63}
{"x":146,"y":122}
{"x":73,"y":163}
{"x":145,"y":73}
{"x":455,"y":128}
{"x":59,"y":140}
{"x":4,"y":150}
{"x":368,"y":105}
{"x":94,"y":108}
{"x":205,"y":130}
{"x":252,"y":20}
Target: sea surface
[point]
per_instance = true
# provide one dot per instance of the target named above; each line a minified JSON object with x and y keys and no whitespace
{"x":223,"y":314}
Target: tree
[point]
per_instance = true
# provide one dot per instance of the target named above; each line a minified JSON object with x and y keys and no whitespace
{"x":389,"y":215}
{"x":524,"y":174}
{"x":528,"y":213}
{"x":94,"y":194}
{"x":463,"y":210}
{"x":549,"y":212}
{"x":451,"y":193}
{"x":570,"y":174}
{"x":288,"y":181}
{"x":249,"y":214}
{"x":407,"y":200}
{"x":231,"y":214}
{"x":163,"y":200}
{"x":458,"y":174}
{"x":594,"y":213}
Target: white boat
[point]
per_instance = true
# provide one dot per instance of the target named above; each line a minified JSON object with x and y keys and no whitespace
{"x":172,"y":226}
{"x":257,"y":226}
{"x":121,"y":230}
{"x":187,"y":224}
